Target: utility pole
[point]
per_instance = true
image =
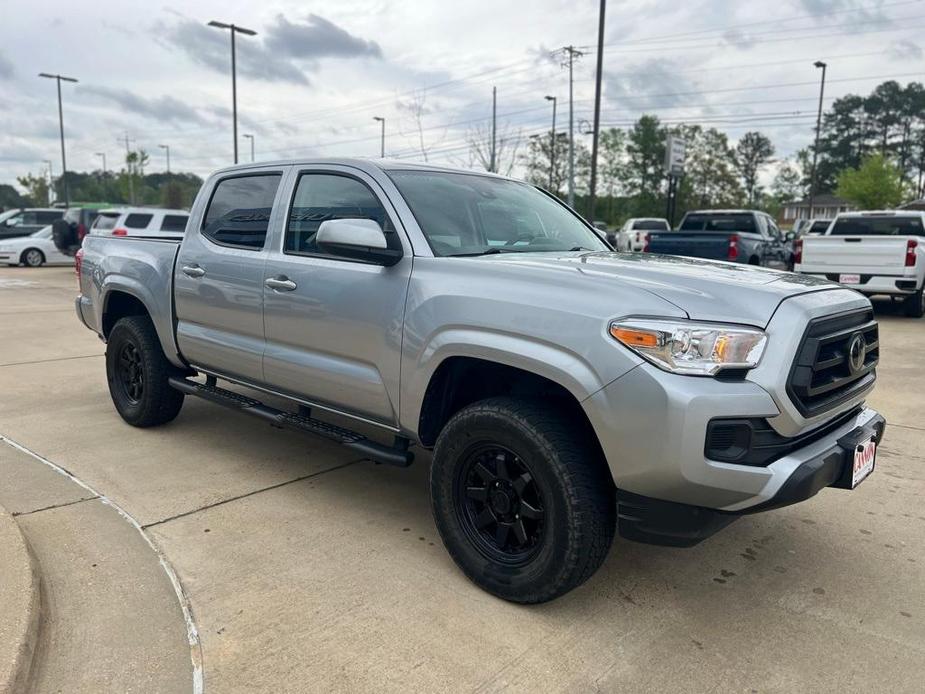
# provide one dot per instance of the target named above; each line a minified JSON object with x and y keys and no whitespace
{"x":51,"y":181}
{"x":572,"y":54}
{"x":103,"y":156}
{"x":58,"y":79}
{"x":381,"y":120}
{"x":552,"y":144}
{"x":166,"y":148}
{"x":251,"y":138}
{"x":812,"y":180}
{"x":597,"y":109}
{"x":493,"y":165}
{"x":234,"y":77}
{"x":128,"y":169}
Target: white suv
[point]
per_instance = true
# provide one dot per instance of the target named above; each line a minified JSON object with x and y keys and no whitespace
{"x":154,"y":222}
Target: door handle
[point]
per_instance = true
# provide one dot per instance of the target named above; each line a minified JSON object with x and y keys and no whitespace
{"x":280,"y":283}
{"x":193,"y":271}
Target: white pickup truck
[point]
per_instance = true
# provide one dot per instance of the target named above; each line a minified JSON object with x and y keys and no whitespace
{"x":872,"y":252}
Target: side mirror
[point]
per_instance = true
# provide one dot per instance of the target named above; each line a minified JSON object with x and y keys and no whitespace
{"x":790,"y":236}
{"x":358,"y":239}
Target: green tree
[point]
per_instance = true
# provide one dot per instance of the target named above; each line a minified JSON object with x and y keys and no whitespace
{"x":752,"y":152}
{"x":10,"y":197}
{"x":710,"y":179}
{"x":787,"y":185}
{"x":36,"y":189}
{"x":611,"y":168}
{"x":877,"y":184}
{"x":645,"y":157}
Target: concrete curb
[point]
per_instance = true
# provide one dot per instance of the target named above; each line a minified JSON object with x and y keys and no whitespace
{"x":20,"y":606}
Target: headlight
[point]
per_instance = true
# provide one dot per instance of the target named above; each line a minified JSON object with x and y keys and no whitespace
{"x":695,"y":349}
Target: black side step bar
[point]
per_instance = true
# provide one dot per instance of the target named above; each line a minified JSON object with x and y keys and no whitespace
{"x":398,"y":454}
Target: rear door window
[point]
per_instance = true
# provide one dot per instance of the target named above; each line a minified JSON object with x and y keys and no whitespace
{"x":138,"y":221}
{"x":239,"y":211}
{"x":49,"y":217}
{"x":877,"y":226}
{"x":174,"y":222}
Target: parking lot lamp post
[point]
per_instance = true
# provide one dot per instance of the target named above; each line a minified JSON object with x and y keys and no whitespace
{"x":102,"y":155}
{"x":552,"y":143}
{"x":58,"y":79}
{"x":382,"y":137}
{"x":251,"y":138}
{"x":51,"y":180}
{"x":592,"y":186}
{"x":233,"y":29}
{"x":166,"y":148}
{"x":812,"y":180}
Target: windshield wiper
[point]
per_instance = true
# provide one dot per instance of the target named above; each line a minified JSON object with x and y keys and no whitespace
{"x":487,"y":251}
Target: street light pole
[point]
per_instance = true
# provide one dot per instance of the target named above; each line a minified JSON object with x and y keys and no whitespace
{"x":234,"y":76}
{"x":597,"y":109}
{"x":166,"y":148}
{"x":812,"y":181}
{"x":51,"y":180}
{"x":251,"y":138}
{"x":572,"y":53}
{"x":382,"y":138}
{"x":58,"y":79}
{"x":552,"y":144}
{"x":103,"y":156}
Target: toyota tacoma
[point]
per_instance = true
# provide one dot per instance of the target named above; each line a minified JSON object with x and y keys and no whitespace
{"x":567,"y":392}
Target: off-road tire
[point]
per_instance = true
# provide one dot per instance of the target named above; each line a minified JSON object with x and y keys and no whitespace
{"x":156,"y":402}
{"x":577,"y":492}
{"x":914,"y":305}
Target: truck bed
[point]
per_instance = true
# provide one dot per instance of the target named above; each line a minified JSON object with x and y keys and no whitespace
{"x":713,"y":245}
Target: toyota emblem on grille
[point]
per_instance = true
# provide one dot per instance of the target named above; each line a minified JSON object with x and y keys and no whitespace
{"x":857,"y":350}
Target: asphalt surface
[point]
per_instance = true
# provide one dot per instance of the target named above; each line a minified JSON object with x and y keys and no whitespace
{"x":307,"y":569}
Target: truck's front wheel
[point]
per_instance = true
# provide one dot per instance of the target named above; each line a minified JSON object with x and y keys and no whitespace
{"x":137,"y":371}
{"x":523,"y":501}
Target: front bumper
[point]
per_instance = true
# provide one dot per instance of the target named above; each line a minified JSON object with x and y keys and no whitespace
{"x":654,"y":521}
{"x":9,"y":257}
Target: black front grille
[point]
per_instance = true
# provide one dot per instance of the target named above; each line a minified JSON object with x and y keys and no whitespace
{"x":823,"y":376}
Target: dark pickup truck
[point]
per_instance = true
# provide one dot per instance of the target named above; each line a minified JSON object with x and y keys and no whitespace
{"x":739,"y":236}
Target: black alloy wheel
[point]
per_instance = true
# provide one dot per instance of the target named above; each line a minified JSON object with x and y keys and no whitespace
{"x":131,"y":372}
{"x":500,"y":504}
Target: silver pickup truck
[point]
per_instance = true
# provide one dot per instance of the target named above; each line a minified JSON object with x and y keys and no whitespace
{"x":567,"y":392}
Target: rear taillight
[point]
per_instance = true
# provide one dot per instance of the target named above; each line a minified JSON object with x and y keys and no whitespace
{"x":733,"y":252}
{"x":798,"y":251}
{"x":78,"y":260}
{"x":645,"y":245}
{"x":81,"y":231}
{"x":120,"y":232}
{"x":911,"y":245}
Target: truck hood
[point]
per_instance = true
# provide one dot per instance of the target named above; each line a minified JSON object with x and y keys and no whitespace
{"x":704,"y":289}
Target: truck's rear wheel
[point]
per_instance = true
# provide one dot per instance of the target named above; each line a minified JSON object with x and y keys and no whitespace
{"x":523,"y":501}
{"x":137,"y":371}
{"x":914,"y":305}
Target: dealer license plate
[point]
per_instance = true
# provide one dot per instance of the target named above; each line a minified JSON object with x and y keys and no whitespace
{"x":849,"y":279}
{"x":864,"y":457}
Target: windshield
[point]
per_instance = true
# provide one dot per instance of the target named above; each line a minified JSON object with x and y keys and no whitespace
{"x":877,"y":226}
{"x":718,"y":222}
{"x":468,"y":214}
{"x":651,"y":225}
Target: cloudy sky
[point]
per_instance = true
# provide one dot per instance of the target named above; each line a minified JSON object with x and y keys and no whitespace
{"x":311,"y":81}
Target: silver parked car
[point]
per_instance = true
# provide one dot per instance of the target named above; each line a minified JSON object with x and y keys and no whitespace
{"x":568,"y":392}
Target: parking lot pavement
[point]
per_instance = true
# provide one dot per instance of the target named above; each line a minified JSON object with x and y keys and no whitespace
{"x":307,"y":569}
